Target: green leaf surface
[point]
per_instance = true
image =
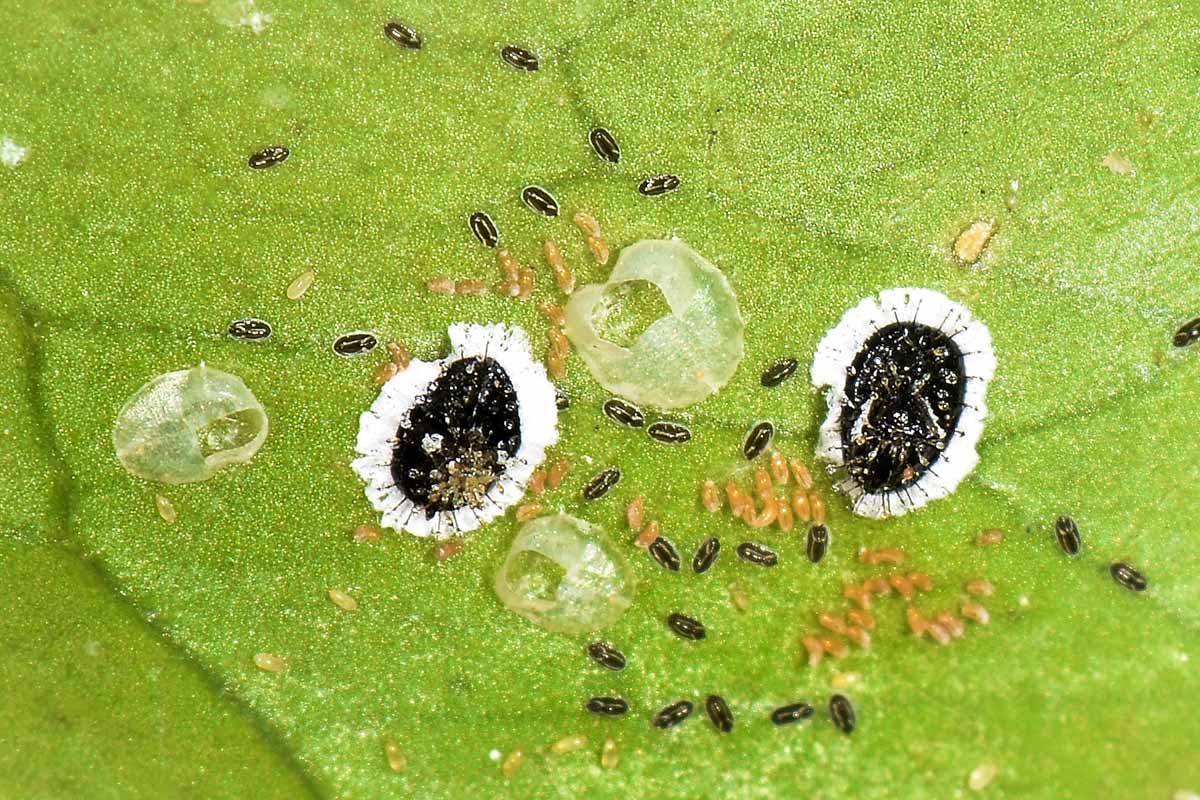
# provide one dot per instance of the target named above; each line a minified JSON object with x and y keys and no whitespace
{"x":827,"y":151}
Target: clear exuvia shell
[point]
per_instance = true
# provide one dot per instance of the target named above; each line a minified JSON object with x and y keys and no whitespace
{"x":181,"y":427}
{"x":565,"y":575}
{"x":681,"y":358}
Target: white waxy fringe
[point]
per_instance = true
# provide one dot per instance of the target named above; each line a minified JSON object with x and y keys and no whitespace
{"x":837,"y":350}
{"x":537,"y":412}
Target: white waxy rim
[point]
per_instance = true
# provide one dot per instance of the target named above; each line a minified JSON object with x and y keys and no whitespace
{"x":536,"y":410}
{"x":837,"y":350}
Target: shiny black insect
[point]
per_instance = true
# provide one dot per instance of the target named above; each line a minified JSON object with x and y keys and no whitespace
{"x":719,"y":713}
{"x":1190,"y":332}
{"x":484,"y":229}
{"x":269,"y":157}
{"x":624,"y":413}
{"x":402,"y":35}
{"x":817,"y":543}
{"x":1067,"y":533}
{"x":355,"y":344}
{"x":793,"y":713}
{"x":779,"y":372}
{"x":540,"y":200}
{"x":706,"y":554}
{"x":686,"y":627}
{"x":605,"y":145}
{"x":561,"y":401}
{"x":608,"y":706}
{"x":757,"y":554}
{"x":842,"y":713}
{"x":903,"y":397}
{"x":471,"y":412}
{"x":656,"y":185}
{"x":606,"y":656}
{"x":665,"y":554}
{"x":600,"y":485}
{"x":673,"y":714}
{"x":669,"y":432}
{"x":519,"y":58}
{"x":1128,"y":577}
{"x":757,"y":440}
{"x":250,"y":330}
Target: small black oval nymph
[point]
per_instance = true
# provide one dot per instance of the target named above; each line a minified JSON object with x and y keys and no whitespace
{"x":903,"y":397}
{"x":459,"y":436}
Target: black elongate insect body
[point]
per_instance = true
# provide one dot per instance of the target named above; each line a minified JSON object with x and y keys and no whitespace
{"x":606,"y":656}
{"x":269,"y":157}
{"x":686,"y":627}
{"x":669,"y":432}
{"x":624,"y":413}
{"x":757,"y":554}
{"x":817,"y":543}
{"x":665,"y":553}
{"x":561,"y":401}
{"x":608,"y":706}
{"x":605,"y":145}
{"x":540,"y":201}
{"x":250,"y":330}
{"x":600,"y":485}
{"x":842,"y":713}
{"x":484,"y":229}
{"x":673,"y":714}
{"x":402,"y":35}
{"x":657,"y":185}
{"x":1067,"y":533}
{"x":795,"y":712}
{"x":519,"y":58}
{"x":706,"y":555}
{"x":779,"y":372}
{"x":719,"y":713}
{"x":1128,"y":577}
{"x":355,"y":344}
{"x":758,"y":439}
{"x":1188,"y":333}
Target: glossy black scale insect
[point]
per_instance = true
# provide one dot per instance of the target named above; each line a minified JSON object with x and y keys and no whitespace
{"x":402,"y":35}
{"x":519,"y":58}
{"x":673,"y":714}
{"x":1128,"y":577}
{"x":817,"y":543}
{"x":540,"y":201}
{"x":355,"y":344}
{"x":484,"y":229}
{"x":657,"y":185}
{"x":791,"y":713}
{"x":600,"y":485}
{"x":757,"y":554}
{"x":1188,"y":333}
{"x":665,"y":554}
{"x":269,"y":157}
{"x":669,"y":432}
{"x":608,"y":706}
{"x":624,"y":413}
{"x":606,"y":656}
{"x":250,"y":330}
{"x":903,"y":397}
{"x":1067,"y":533}
{"x":605,"y":145}
{"x":842,"y":713}
{"x":706,"y":555}
{"x":686,"y":627}
{"x":757,"y":440}
{"x":719,"y":713}
{"x":458,"y":437}
{"x":779,"y":372}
